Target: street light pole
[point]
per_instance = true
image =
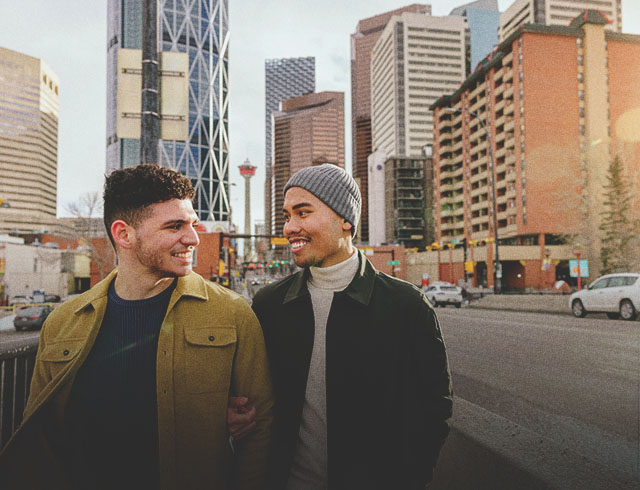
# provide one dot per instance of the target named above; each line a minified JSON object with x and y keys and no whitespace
{"x":497,"y":269}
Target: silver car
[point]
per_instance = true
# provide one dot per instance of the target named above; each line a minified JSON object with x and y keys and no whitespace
{"x":442,"y":295}
{"x":617,"y":295}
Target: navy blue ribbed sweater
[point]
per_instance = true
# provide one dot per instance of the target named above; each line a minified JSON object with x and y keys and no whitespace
{"x":112,"y":410}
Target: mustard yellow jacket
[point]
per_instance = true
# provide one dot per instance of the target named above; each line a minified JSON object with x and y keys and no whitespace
{"x":210,"y":347}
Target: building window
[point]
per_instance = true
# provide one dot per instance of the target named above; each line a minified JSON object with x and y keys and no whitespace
{"x":579,"y":60}
{"x":580,"y":77}
{"x":581,"y":94}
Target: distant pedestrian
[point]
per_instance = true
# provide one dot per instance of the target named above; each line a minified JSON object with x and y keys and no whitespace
{"x":362,"y":384}
{"x":132,"y":379}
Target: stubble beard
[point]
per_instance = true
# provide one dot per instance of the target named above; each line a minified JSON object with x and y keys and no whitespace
{"x":151,"y":260}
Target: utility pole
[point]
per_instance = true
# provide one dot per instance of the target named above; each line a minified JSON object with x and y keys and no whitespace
{"x":150,"y":119}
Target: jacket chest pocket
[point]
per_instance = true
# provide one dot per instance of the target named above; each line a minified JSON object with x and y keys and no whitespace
{"x":57,"y":356}
{"x":208,"y":358}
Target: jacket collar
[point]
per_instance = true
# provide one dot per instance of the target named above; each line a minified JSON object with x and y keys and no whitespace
{"x":360,"y":289}
{"x":190,"y":285}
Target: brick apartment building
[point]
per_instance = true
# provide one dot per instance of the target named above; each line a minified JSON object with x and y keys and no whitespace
{"x":541,"y":117}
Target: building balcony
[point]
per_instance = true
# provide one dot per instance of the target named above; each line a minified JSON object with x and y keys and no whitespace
{"x":500,"y":153}
{"x":480,"y":205}
{"x":499,"y":106}
{"x":458,"y":185}
{"x":484,"y":175}
{"x":508,"y":75}
{"x":500,"y":135}
{"x":445,"y":187}
{"x":459,"y":211}
{"x":480,"y":219}
{"x":446,"y":226}
{"x":482,"y":190}
{"x":512,"y":211}
{"x":481,"y":103}
{"x":475,"y":149}
{"x":508,"y":91}
{"x":457,"y":160}
{"x":511,"y":194}
{"x":508,"y":108}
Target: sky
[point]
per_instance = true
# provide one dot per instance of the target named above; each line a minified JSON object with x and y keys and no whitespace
{"x":71,"y":37}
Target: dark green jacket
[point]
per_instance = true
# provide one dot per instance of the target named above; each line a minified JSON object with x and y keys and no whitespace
{"x":389,"y":393}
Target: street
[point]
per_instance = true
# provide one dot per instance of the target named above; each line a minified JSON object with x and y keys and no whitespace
{"x":573,"y":381}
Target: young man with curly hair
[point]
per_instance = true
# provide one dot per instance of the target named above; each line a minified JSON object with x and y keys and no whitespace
{"x":132,"y":378}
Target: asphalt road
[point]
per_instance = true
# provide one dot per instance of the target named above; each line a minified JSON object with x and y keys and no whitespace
{"x":574,"y":381}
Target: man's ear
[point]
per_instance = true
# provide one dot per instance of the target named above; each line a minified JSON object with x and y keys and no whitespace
{"x":122,"y":234}
{"x":346,"y":226}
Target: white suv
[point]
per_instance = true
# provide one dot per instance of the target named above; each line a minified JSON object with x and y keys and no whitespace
{"x":441,"y":294}
{"x":617,"y":295}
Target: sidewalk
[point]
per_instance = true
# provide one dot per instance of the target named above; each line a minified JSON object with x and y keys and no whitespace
{"x":538,"y":303}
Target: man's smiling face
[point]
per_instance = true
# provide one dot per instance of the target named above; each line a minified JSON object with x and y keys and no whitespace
{"x":166,"y":238}
{"x":318,"y":236}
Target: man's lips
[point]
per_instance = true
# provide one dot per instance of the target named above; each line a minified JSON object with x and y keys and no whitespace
{"x":183,"y":255}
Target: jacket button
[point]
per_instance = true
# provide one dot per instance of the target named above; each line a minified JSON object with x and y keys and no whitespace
{"x":212,"y":338}
{"x":65,"y":352}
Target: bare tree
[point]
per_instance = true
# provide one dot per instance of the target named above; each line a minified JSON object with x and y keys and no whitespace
{"x":90,"y":233}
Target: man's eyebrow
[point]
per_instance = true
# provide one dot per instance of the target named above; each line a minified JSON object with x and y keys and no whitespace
{"x":180,"y":222}
{"x":302,"y":205}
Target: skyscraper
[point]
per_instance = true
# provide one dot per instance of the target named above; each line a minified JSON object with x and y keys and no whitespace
{"x":284,"y":78}
{"x":201,"y":29}
{"x":556,"y":12}
{"x":28,"y":143}
{"x":417,"y":59}
{"x":483,"y":21}
{"x":309,"y":130}
{"x":362,"y":41}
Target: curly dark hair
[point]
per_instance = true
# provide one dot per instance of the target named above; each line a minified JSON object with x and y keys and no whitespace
{"x":129,"y":192}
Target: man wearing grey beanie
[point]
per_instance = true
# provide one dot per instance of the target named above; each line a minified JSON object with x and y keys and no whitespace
{"x":360,"y":372}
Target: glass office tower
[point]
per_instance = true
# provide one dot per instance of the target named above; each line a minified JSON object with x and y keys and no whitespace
{"x":200,"y":28}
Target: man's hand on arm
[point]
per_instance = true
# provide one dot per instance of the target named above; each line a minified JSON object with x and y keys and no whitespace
{"x":241,"y":419}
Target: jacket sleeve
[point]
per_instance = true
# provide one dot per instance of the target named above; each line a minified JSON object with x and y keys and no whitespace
{"x":251,"y":378}
{"x":433,"y":385}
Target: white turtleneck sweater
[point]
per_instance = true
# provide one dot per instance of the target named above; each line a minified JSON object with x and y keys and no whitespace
{"x":309,"y":469}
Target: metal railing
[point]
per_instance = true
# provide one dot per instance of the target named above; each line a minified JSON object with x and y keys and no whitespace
{"x":16,"y":369}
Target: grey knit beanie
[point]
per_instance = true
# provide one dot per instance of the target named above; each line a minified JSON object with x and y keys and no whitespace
{"x":334,"y":187}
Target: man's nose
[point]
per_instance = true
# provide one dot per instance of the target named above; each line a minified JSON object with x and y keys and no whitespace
{"x":290,"y":227}
{"x":191,"y":237}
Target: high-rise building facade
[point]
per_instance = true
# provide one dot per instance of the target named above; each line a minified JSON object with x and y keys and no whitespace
{"x":483,"y":21}
{"x":399,"y":213}
{"x":539,"y":138}
{"x":284,"y":78}
{"x":362,"y":41}
{"x":417,"y":59}
{"x":28,"y":143}
{"x":201,"y":29}
{"x":556,"y":12}
{"x":309,"y":130}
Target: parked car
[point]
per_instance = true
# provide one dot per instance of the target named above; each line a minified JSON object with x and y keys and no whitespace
{"x":440,"y":294}
{"x":20,"y":299}
{"x":31,"y":317}
{"x":617,"y":295}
